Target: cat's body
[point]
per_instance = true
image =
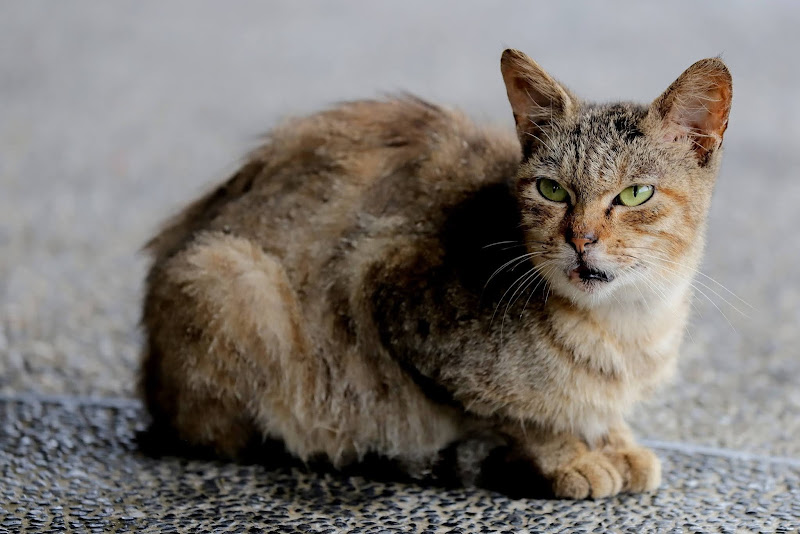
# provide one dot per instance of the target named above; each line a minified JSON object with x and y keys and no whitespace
{"x":361,"y":286}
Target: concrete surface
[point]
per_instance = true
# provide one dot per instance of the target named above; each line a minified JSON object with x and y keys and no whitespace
{"x":114,"y":114}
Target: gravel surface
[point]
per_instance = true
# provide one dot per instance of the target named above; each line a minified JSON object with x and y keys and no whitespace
{"x":112,"y":115}
{"x":75,"y":466}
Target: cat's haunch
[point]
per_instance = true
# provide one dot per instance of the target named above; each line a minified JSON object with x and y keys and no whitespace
{"x":388,"y":279}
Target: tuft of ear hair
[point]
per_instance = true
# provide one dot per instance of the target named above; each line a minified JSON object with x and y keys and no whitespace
{"x":537,"y":100}
{"x":696,"y":107}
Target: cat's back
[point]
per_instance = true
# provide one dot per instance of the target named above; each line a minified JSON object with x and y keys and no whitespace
{"x":362,"y":169}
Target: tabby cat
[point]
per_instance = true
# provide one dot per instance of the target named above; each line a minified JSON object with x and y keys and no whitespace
{"x":388,"y":279}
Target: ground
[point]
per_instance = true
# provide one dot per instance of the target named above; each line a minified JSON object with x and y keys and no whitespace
{"x":113,"y":115}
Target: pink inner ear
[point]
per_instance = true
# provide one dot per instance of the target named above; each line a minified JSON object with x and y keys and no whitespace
{"x":519,"y":96}
{"x":700,"y":117}
{"x":528,"y":100}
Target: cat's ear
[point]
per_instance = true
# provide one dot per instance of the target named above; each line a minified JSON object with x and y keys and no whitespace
{"x":537,"y":100}
{"x":696,"y":107}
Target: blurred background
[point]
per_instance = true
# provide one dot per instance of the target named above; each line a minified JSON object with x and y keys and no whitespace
{"x":113,"y":115}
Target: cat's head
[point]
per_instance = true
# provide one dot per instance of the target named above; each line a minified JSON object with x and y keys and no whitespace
{"x":614,"y":197}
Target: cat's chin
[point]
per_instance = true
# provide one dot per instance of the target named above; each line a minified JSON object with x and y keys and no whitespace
{"x":592,"y":286}
{"x":589,"y":286}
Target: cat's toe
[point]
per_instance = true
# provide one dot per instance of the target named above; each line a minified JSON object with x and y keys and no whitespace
{"x":571,"y":484}
{"x":591,"y":475}
{"x":640,"y":467}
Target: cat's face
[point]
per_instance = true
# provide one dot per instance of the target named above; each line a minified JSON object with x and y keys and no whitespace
{"x":614,"y":198}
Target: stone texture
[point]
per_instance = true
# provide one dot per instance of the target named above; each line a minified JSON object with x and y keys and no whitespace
{"x":73,"y":465}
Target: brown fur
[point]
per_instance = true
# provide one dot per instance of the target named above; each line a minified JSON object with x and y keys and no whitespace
{"x":360,"y":285}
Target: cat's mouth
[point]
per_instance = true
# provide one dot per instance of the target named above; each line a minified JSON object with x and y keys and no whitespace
{"x":585,"y":275}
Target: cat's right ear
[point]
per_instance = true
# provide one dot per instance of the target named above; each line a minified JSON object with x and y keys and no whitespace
{"x":537,"y":100}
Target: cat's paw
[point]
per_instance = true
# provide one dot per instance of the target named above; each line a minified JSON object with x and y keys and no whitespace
{"x":640,"y":468}
{"x":590,"y":475}
{"x":599,"y":474}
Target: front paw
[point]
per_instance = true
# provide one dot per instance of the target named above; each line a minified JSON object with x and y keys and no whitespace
{"x":590,"y":475}
{"x":640,"y":468}
{"x":599,"y":474}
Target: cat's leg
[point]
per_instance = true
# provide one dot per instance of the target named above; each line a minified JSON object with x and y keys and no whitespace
{"x":228,"y":361}
{"x":579,"y":470}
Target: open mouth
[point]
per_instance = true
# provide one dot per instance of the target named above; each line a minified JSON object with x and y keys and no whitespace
{"x":586,"y":274}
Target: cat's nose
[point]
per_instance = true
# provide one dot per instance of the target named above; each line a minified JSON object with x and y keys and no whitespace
{"x":580,"y":241}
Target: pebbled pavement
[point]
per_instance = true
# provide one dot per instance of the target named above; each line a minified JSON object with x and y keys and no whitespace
{"x":73,"y":466}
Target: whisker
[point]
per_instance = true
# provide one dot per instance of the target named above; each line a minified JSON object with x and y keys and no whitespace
{"x":496,"y":243}
{"x":521,"y":288}
{"x":511,"y":300}
{"x":533,"y":292}
{"x":686,"y":327}
{"x":698,"y":282}
{"x":653,"y":286}
{"x":691,"y":283}
{"x":717,"y":307}
{"x":704,"y":275}
{"x":673,"y":286}
{"x":532,"y":269}
{"x":547,"y":295}
{"x":519,"y":260}
{"x":530,"y":281}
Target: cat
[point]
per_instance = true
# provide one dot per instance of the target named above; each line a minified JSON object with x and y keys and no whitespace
{"x":387,"y":278}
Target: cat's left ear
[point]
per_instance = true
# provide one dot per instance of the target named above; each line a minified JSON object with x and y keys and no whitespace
{"x":537,"y":100}
{"x":696,"y":107}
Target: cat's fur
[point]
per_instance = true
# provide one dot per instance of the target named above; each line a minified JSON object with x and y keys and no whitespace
{"x":335,"y":293}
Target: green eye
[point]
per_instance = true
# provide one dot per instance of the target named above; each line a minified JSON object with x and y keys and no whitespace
{"x":635,"y":195}
{"x":552,"y":190}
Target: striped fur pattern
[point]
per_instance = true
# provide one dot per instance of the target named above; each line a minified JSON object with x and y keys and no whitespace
{"x":386,"y":279}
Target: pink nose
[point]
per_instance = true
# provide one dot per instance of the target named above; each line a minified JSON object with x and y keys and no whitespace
{"x":581,"y":241}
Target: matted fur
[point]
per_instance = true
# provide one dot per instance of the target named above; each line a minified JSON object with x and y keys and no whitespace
{"x":386,"y":278}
